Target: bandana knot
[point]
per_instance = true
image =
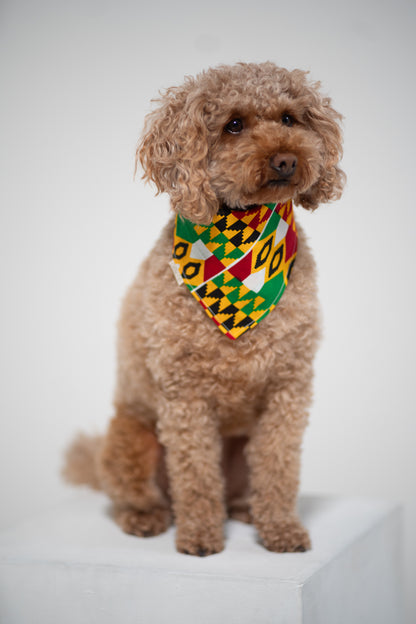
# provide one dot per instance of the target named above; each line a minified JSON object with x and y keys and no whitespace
{"x":238,"y":266}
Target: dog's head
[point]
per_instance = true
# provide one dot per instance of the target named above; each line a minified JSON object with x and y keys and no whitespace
{"x":242,"y":135}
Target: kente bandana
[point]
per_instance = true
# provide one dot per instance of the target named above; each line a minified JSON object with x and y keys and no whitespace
{"x":238,"y":266}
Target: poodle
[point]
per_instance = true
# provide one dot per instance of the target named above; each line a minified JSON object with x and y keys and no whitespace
{"x":212,"y":400}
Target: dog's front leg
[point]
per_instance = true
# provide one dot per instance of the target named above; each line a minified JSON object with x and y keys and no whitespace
{"x":193,"y":455}
{"x":273,"y":454}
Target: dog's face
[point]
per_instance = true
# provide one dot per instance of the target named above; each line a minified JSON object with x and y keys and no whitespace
{"x":265,"y":156}
{"x":243,"y":135}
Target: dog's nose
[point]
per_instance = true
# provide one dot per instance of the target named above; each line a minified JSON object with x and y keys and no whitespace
{"x":284,"y":164}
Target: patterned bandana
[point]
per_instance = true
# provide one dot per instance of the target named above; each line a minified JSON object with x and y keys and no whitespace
{"x":238,"y":266}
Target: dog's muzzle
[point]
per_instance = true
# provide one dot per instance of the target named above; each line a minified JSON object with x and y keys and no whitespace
{"x":285,"y":165}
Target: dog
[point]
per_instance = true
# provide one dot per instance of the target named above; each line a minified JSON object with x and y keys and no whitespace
{"x":212,"y":400}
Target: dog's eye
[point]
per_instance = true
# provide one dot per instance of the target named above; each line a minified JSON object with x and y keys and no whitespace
{"x":287,"y":120}
{"x":234,"y":126}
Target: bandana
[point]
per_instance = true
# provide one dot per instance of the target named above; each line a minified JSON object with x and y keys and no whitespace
{"x":238,"y":266}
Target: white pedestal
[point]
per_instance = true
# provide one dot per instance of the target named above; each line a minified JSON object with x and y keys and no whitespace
{"x":73,"y":565}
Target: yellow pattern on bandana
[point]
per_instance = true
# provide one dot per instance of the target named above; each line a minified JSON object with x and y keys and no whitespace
{"x":238,"y":266}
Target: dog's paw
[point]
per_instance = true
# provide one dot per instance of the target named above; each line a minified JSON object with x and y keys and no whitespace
{"x":199,"y":543}
{"x":143,"y":523}
{"x":286,"y":535}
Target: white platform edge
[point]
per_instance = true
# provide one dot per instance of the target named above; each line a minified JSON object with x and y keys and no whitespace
{"x":78,"y":553}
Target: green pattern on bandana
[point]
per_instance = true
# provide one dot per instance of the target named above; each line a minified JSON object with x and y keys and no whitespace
{"x":238,"y":266}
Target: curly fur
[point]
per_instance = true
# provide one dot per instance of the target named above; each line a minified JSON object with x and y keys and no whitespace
{"x":206,"y":427}
{"x":184,"y":152}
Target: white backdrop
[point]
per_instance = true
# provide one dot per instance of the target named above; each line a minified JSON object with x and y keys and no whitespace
{"x":76,"y":80}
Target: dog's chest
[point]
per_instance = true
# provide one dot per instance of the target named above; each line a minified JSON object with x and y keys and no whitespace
{"x":190,"y":359}
{"x":236,"y":380}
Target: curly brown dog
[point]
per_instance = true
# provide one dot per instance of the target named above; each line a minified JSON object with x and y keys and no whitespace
{"x":206,"y":425}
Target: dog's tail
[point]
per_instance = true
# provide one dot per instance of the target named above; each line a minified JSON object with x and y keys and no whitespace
{"x":80,"y":467}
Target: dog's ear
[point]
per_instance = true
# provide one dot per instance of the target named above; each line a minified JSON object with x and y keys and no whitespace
{"x":173,"y":152}
{"x":325,"y":121}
